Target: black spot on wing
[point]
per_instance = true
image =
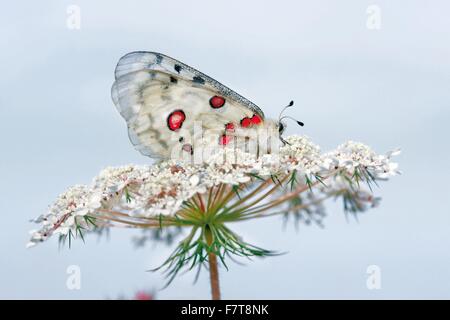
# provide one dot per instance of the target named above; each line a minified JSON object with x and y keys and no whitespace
{"x":173,"y":79}
{"x":198,"y":80}
{"x":177,"y":68}
{"x":159,"y":59}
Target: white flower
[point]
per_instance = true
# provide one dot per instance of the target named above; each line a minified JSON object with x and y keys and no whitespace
{"x":161,"y":189}
{"x":194,"y":180}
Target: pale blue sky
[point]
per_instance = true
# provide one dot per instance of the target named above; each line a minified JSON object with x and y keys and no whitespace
{"x":388,"y":88}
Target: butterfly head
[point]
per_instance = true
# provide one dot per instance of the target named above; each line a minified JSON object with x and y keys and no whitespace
{"x":281,"y":127}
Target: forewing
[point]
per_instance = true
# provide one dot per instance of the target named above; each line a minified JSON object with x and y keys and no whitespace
{"x":149,"y":100}
{"x":143,"y":60}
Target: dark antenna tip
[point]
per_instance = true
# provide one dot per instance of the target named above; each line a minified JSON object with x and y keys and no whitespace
{"x":288,"y":106}
{"x":289,"y":117}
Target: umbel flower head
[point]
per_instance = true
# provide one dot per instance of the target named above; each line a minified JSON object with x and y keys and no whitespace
{"x":229,"y":186}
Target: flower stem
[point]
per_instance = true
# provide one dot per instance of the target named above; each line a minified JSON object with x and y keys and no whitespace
{"x":214,"y":276}
{"x":213,"y":268}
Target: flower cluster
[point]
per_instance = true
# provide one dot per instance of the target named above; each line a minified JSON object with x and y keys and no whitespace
{"x":352,"y":155}
{"x":232,"y":183}
{"x":70,"y":211}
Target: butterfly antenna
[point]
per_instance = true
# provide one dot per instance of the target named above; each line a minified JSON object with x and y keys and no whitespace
{"x":288,"y":106}
{"x":288,"y":117}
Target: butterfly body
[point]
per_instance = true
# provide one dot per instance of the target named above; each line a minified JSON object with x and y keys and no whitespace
{"x":171,"y":108}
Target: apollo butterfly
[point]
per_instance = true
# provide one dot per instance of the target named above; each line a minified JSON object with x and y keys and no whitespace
{"x":162,"y":99}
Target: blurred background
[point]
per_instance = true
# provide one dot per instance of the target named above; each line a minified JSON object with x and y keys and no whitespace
{"x":371,"y":71}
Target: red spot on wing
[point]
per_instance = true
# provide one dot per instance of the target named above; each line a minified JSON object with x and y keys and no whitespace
{"x":229,"y":127}
{"x":247,"y":122}
{"x":256,"y":119}
{"x":224,"y":140}
{"x":175,"y":120}
{"x":217,"y":102}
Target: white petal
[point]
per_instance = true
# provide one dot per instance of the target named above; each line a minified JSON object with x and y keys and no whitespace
{"x":30,"y":244}
{"x":194,"y":180}
{"x":395,"y":152}
{"x":81,"y":212}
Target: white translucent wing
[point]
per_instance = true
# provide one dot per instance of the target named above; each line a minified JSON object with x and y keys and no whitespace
{"x":150,"y":100}
{"x":143,"y":60}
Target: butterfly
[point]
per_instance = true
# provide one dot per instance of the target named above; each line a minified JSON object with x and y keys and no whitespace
{"x":171,"y":109}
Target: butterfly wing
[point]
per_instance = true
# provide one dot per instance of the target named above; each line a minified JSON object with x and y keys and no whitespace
{"x":142,"y":60}
{"x":164,"y":100}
